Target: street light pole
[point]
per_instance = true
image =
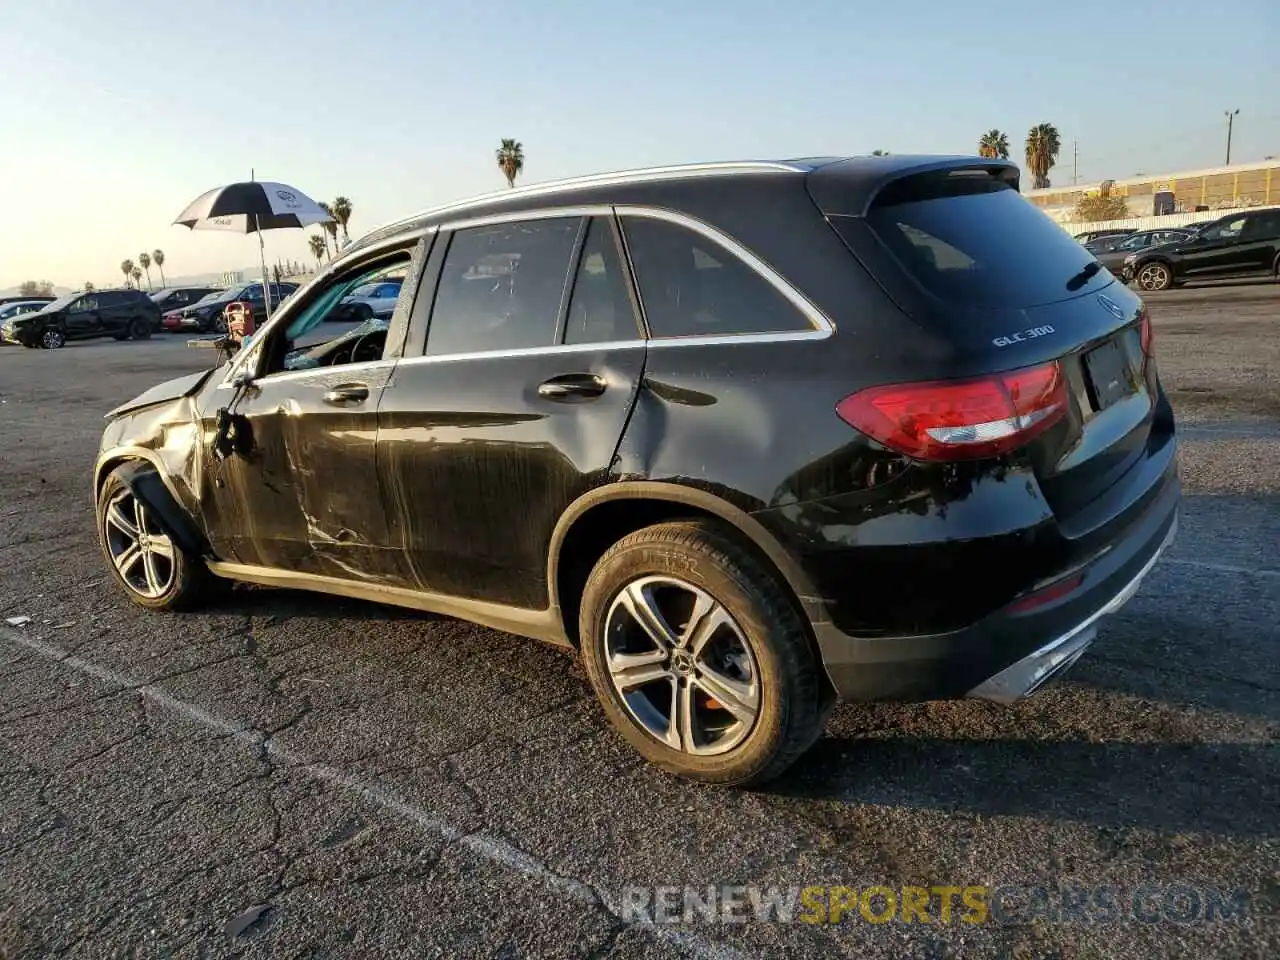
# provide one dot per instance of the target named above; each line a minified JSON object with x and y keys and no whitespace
{"x":1231,"y":116}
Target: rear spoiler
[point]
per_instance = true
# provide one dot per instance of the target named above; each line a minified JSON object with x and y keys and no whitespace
{"x":849,"y":188}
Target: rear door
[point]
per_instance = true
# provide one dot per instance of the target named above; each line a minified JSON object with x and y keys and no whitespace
{"x":1260,"y":242}
{"x":523,"y":362}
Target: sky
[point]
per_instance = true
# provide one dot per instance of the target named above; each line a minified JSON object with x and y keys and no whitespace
{"x":114,"y":116}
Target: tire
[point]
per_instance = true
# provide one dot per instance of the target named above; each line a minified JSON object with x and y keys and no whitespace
{"x":363,"y":313}
{"x":176,"y":581}
{"x":139,"y":329}
{"x":219,"y":323}
{"x":760,"y":644}
{"x":53,"y":338}
{"x":1154,"y":276}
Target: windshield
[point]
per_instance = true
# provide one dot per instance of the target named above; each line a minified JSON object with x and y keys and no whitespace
{"x":227,"y":294}
{"x":367,"y":290}
{"x":62,"y":302}
{"x":976,"y":241}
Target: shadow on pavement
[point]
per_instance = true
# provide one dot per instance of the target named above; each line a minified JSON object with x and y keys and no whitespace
{"x":1222,"y":788}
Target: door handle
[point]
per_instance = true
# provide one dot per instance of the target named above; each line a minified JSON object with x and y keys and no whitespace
{"x":347,"y":393}
{"x":572,"y":387}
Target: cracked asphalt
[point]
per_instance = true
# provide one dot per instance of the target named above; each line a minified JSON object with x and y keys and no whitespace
{"x":298,"y":776}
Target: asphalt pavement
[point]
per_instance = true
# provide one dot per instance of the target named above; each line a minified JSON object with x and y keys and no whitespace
{"x":291,"y":775}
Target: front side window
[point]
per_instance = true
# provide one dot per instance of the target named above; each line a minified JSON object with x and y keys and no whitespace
{"x":1227,"y":230}
{"x":691,"y":286}
{"x":599,"y":307}
{"x":501,"y":287}
{"x":85,"y":303}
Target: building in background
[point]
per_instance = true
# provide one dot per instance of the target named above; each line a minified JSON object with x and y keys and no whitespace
{"x":1217,"y":188}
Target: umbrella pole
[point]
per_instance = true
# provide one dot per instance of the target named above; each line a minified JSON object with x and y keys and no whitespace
{"x":262,"y":258}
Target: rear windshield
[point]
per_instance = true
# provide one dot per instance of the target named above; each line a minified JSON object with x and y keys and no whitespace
{"x":974,"y":240}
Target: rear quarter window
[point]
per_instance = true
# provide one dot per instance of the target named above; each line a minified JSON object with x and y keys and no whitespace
{"x":975,"y":241}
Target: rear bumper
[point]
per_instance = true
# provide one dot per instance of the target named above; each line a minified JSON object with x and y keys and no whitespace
{"x":1009,"y":653}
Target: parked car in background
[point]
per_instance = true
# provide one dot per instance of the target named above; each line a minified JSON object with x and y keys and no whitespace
{"x":206,"y":315}
{"x":21,"y":298}
{"x":1238,"y":245}
{"x":1112,"y":251}
{"x":175,"y":298}
{"x":1091,"y":235}
{"x":122,"y":314}
{"x":15,"y":308}
{"x":369,"y":300}
{"x":750,"y":436}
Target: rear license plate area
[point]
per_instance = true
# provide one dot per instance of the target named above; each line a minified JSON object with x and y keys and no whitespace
{"x":1108,"y":374}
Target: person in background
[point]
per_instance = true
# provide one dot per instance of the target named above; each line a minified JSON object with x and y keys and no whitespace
{"x":240,"y":325}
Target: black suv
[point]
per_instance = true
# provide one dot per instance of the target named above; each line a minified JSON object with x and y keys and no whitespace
{"x":1238,"y":245}
{"x":206,"y":315}
{"x":748,"y":436}
{"x":175,"y":298}
{"x":122,"y":314}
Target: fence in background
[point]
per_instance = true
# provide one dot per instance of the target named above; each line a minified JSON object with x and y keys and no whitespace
{"x":1172,"y":220}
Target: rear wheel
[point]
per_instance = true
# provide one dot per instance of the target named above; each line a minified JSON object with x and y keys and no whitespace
{"x":139,"y":329}
{"x":1155,"y":276}
{"x":53,"y":338}
{"x":698,"y":656}
{"x":219,"y":324}
{"x":149,"y":565}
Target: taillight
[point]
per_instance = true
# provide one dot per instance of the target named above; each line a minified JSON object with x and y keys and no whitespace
{"x":1144,"y":332}
{"x":960,"y":419}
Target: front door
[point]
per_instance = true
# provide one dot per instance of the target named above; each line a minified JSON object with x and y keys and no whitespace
{"x":1213,"y":252}
{"x":303,"y":494}
{"x":82,"y":317}
{"x":515,"y":405}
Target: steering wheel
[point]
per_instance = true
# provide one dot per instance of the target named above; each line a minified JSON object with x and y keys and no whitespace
{"x":373,"y":350}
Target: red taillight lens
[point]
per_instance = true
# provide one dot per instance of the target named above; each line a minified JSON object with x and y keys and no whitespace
{"x":1055,"y":591}
{"x":960,"y":419}
{"x":1144,"y":332}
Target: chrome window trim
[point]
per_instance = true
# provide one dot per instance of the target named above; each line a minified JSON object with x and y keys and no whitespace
{"x":283,"y":311}
{"x":617,"y":178}
{"x":823,"y":327}
{"x":550,"y":350}
{"x":541,"y":213}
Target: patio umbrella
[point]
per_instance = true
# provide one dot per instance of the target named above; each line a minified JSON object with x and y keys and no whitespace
{"x":252,"y":207}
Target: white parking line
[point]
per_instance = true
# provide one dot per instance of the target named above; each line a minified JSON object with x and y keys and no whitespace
{"x":1223,"y":567}
{"x":493,"y":849}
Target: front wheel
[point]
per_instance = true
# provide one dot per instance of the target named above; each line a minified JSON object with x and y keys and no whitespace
{"x":153,"y":570}
{"x":53,"y":338}
{"x":1155,"y":276}
{"x":139,"y":329}
{"x":699,"y":657}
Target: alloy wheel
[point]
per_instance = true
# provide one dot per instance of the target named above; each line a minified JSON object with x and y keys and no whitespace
{"x":142,"y":555}
{"x":52,"y":338}
{"x":681,"y":665}
{"x":1154,"y":276}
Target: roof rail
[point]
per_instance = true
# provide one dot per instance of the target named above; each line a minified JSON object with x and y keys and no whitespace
{"x":640,"y":175}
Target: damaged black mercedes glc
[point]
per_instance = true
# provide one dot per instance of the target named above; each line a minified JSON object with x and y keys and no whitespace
{"x":749,"y":436}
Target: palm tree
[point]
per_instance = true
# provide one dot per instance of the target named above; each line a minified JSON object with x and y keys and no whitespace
{"x":126,"y":267}
{"x":318,"y":247}
{"x":879,"y":153}
{"x":157,"y":257}
{"x":994,"y":144}
{"x":1043,"y":144}
{"x":330,"y":228}
{"x":510,"y":154}
{"x":144,"y":261}
{"x":342,"y":213}
{"x":137,"y":278}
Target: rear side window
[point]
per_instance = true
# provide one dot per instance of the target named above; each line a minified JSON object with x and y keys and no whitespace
{"x":974,"y":241}
{"x":692,"y":287}
{"x":501,"y":287}
{"x":600,"y":308}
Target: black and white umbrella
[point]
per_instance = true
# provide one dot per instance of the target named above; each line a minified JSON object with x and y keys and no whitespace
{"x":252,"y":207}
